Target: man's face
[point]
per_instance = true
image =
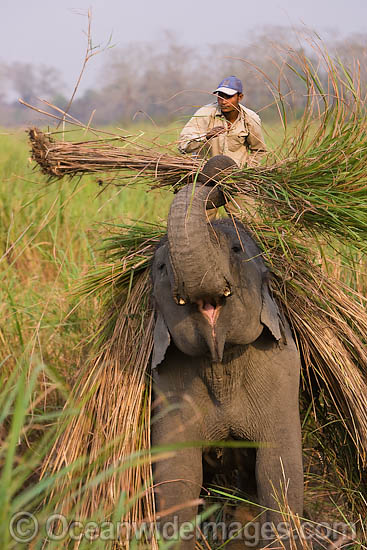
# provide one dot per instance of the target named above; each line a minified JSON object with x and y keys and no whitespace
{"x":228,"y":103}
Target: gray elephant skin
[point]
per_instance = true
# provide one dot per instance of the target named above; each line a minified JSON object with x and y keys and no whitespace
{"x":225,"y":364}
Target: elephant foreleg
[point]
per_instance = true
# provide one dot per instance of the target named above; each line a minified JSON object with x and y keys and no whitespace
{"x":280,"y":489}
{"x":177,"y":482}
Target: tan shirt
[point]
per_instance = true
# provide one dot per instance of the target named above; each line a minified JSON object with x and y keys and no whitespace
{"x":243,"y":140}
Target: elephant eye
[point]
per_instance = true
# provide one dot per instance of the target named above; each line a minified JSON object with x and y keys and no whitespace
{"x":161,"y":266}
{"x":236,"y":248}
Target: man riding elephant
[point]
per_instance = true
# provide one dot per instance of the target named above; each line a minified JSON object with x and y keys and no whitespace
{"x":225,"y":128}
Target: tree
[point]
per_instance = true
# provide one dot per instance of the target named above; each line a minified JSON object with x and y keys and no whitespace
{"x":30,"y":82}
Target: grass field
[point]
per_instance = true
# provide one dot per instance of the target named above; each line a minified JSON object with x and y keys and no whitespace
{"x":50,"y":238}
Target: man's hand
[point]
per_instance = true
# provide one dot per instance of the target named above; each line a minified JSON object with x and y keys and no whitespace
{"x":215,"y":132}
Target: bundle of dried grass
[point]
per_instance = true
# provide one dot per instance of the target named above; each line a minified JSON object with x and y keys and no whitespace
{"x":116,"y":394}
{"x":62,"y":158}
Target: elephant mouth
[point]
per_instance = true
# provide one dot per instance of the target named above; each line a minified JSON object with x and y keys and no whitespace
{"x":210,"y":310}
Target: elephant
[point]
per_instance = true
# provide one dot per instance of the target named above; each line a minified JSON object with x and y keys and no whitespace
{"x":225,"y":364}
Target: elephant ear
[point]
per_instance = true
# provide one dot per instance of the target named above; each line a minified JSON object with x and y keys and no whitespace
{"x":161,"y":341}
{"x":270,"y":314}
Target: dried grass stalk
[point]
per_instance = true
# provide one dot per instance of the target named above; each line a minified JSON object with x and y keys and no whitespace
{"x":115,"y":413}
{"x":62,"y":158}
{"x":330,"y":326}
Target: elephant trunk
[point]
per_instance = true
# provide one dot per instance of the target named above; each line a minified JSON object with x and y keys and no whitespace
{"x":199,"y":270}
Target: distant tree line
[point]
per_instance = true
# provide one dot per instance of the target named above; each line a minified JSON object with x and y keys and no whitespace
{"x":166,"y":80}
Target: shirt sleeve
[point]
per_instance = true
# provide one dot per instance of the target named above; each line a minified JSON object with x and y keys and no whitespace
{"x":193,"y":134}
{"x":255,"y":139}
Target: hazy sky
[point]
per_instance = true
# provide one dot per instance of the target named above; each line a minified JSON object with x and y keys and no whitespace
{"x":51,"y":31}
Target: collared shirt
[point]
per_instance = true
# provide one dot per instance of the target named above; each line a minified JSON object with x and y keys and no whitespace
{"x":243,"y":140}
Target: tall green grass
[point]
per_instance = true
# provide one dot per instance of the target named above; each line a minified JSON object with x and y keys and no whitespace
{"x":49,"y":237}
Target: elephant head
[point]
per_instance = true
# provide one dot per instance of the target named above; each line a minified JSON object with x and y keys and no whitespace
{"x":210,"y":282}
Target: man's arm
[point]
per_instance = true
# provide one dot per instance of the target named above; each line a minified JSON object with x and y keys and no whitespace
{"x":194,"y":134}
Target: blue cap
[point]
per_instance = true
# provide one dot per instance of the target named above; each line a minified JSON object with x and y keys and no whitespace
{"x":230,"y":86}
